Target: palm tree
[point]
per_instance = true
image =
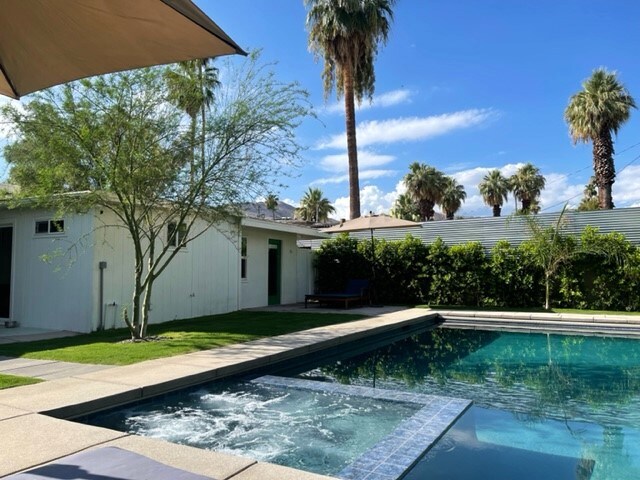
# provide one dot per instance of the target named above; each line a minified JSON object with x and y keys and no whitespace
{"x":271,"y":202}
{"x":453,"y":196}
{"x":346,"y":34}
{"x":494,"y":189}
{"x":314,"y":207}
{"x":190,"y":87}
{"x":425,"y":185}
{"x":405,"y":208}
{"x":600,"y":109}
{"x":527,"y":184}
{"x":590,"y":200}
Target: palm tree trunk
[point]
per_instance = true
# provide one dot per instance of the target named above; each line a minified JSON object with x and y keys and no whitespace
{"x":352,"y":149}
{"x":604,"y":168}
{"x":496,"y":210}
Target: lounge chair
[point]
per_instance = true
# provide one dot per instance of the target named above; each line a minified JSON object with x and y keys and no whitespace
{"x":357,"y":291}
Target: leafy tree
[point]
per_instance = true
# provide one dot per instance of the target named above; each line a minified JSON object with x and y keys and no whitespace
{"x":271,"y":202}
{"x":527,"y":184}
{"x":453,"y":195}
{"x":593,"y":114}
{"x":118,"y":139}
{"x":494,"y":189}
{"x":191,"y":88}
{"x":405,"y":208}
{"x":425,"y":185}
{"x":346,"y":34}
{"x":590,"y":200}
{"x":314,"y":206}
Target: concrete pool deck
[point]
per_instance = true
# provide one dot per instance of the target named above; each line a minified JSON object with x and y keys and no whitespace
{"x":33,"y":417}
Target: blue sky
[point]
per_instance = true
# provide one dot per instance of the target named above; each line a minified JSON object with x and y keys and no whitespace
{"x":463,"y":85}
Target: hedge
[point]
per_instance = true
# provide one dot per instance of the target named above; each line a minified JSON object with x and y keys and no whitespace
{"x":606,"y":275}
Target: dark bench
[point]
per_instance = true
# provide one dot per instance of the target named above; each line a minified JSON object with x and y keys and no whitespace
{"x":357,"y":291}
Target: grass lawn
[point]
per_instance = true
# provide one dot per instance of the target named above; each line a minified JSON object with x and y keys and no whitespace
{"x":540,"y":309}
{"x":8,"y":381}
{"x":180,"y":336}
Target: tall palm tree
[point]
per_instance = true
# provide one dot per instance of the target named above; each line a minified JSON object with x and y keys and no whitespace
{"x":346,"y":34}
{"x":314,"y":207}
{"x":271,"y":202}
{"x":527,"y":184}
{"x":191,"y":88}
{"x":425,"y":185}
{"x":494,"y":189}
{"x":453,"y":196}
{"x":593,"y":114}
{"x":405,"y":208}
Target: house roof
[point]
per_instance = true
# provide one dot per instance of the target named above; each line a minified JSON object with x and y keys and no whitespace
{"x":282,"y":227}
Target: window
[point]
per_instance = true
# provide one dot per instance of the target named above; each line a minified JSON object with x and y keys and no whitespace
{"x":243,"y":259}
{"x":49,"y":226}
{"x":176,"y":234}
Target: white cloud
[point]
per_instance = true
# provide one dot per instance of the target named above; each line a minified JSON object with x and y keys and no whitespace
{"x":625,"y":190}
{"x":410,"y":128}
{"x":366,"y":159}
{"x":363,"y":175}
{"x":372,"y":199}
{"x":387,"y":99}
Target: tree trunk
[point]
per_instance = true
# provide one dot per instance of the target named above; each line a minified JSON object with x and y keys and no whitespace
{"x":352,"y":148}
{"x":496,"y":210}
{"x":526,"y":205}
{"x":547,"y":300}
{"x":604,"y":168}
{"x":449,"y":215}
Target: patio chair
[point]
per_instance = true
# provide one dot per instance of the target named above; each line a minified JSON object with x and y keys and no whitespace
{"x":356,"y":291}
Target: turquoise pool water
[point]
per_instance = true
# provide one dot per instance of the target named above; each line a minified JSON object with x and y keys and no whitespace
{"x":545,"y":406}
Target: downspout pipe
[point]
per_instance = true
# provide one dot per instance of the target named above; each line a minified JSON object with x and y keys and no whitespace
{"x":101,"y":265}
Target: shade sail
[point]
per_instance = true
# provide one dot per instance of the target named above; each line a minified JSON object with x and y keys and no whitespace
{"x":371,"y":222}
{"x":47,"y":42}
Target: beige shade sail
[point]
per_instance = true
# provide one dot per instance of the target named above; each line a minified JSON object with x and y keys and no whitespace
{"x":372,"y":222}
{"x":47,"y":42}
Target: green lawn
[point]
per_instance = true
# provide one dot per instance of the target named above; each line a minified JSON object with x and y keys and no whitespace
{"x":8,"y":381}
{"x":540,"y":309}
{"x":181,"y":336}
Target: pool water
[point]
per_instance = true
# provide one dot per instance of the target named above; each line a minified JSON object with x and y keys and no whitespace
{"x":313,"y":431}
{"x":545,"y":406}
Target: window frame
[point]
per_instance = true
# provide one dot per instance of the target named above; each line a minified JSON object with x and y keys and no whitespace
{"x":54,"y":226}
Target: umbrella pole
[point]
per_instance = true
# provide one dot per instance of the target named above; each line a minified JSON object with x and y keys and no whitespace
{"x":372,"y":293}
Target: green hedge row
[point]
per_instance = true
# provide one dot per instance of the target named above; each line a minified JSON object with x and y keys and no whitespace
{"x":409,"y":271}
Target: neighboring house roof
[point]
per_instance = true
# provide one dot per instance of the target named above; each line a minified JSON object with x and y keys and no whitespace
{"x":302,"y":231}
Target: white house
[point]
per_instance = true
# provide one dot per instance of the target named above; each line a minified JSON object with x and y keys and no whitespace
{"x":76,"y":273}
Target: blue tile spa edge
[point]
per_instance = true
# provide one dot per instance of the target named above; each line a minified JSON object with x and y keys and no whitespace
{"x":392,"y":456}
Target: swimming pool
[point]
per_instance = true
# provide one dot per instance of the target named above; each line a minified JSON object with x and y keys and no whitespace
{"x":545,"y":406}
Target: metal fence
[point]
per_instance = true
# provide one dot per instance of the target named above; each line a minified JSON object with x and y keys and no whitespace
{"x":489,"y":230}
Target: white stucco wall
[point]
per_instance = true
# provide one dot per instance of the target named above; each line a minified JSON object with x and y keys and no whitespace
{"x":56,"y":294}
{"x":201,"y":280}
